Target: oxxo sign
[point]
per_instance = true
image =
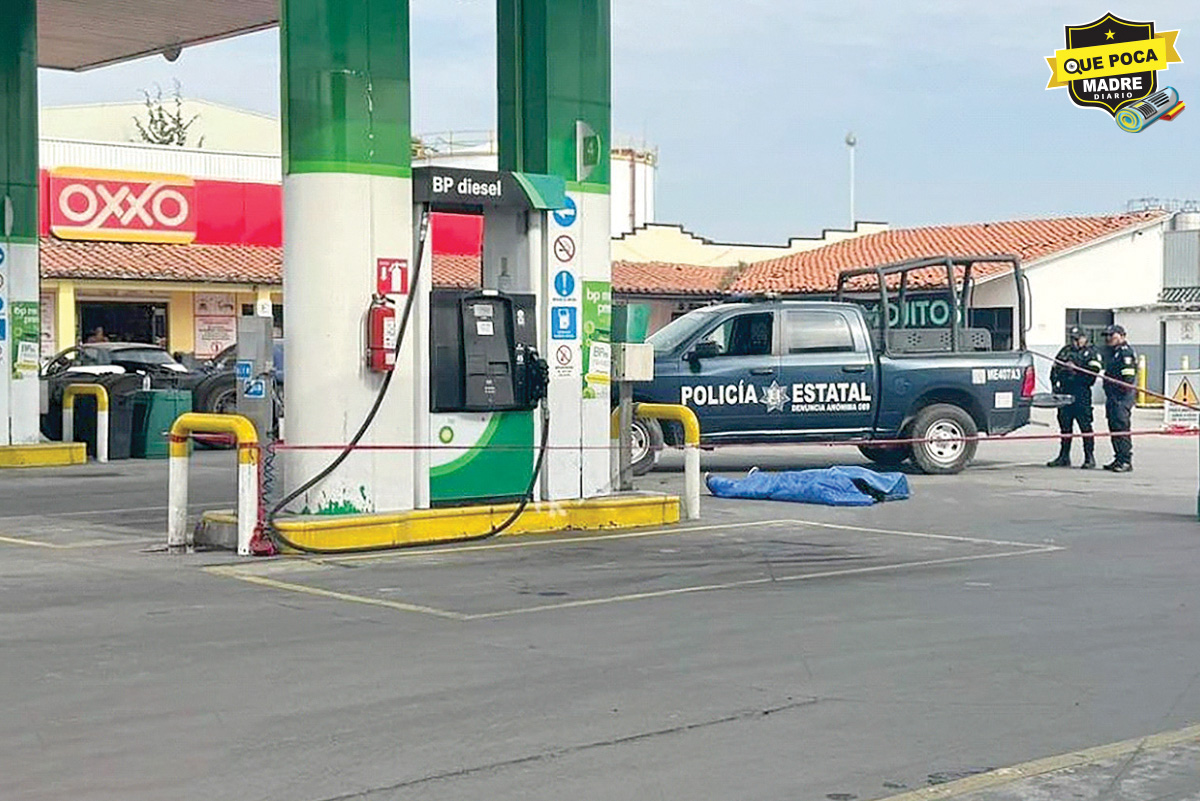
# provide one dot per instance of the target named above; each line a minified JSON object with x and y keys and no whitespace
{"x":116,"y":206}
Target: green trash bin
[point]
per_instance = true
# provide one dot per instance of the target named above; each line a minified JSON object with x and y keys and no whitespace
{"x":154,"y":411}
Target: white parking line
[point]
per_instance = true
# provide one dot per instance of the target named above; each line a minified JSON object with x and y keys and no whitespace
{"x":642,"y":596}
{"x":256,"y":574}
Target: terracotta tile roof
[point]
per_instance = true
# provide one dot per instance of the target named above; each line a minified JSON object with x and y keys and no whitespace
{"x":220,"y":264}
{"x":459,"y":272}
{"x":231,"y":264}
{"x":817,"y":270}
{"x":656,"y":278}
{"x":239,"y":264}
{"x":809,"y":271}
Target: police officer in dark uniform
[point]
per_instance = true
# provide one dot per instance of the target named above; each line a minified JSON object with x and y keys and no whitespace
{"x":1121,"y":367}
{"x":1074,"y":373}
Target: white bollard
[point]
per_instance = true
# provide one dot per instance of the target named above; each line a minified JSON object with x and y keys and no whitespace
{"x":691,"y":482}
{"x":690,"y":502}
{"x":102,"y":436}
{"x":178,"y":536}
{"x":68,"y":415}
{"x":247,"y":515}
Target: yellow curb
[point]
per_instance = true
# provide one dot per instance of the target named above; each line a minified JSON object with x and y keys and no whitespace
{"x":430,"y":526}
{"x":1054,"y":764}
{"x":43,"y":454}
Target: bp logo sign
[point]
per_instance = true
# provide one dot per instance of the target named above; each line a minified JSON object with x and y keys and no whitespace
{"x":1113,"y":64}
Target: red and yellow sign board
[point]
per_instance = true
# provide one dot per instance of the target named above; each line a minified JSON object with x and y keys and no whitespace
{"x":116,"y":206}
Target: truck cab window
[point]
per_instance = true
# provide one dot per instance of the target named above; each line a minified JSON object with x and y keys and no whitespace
{"x":745,"y":335}
{"x":817,"y":332}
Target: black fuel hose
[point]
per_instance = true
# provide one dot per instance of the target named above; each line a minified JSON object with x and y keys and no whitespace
{"x":281,"y":539}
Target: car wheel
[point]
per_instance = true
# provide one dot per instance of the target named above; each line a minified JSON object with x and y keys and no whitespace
{"x":948,"y":431}
{"x":646,"y":438}
{"x":886,"y":455}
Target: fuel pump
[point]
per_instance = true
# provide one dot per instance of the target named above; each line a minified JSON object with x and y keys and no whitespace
{"x":487,"y":377}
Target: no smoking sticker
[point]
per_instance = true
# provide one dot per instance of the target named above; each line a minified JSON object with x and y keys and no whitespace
{"x":564,"y":248}
{"x":564,"y":355}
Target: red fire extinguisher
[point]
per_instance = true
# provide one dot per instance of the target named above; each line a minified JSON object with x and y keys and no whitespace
{"x":381,"y":335}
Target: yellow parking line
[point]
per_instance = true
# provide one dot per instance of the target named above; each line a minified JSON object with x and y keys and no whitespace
{"x":729,"y":585}
{"x":1054,"y":764}
{"x":70,"y":546}
{"x":337,"y":596}
{"x":31,"y":543}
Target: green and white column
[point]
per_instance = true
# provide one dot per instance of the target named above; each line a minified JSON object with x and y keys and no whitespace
{"x":347,"y":205}
{"x":20,"y":332}
{"x":554,"y":75}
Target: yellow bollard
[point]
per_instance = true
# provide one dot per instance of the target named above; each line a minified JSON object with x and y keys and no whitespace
{"x":691,"y":446}
{"x":178,"y":534}
{"x":1142,"y":399}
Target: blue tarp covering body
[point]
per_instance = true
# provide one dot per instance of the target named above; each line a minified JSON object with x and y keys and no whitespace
{"x":833,"y":486}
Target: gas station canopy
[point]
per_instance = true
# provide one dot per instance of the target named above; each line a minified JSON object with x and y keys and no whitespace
{"x":77,"y":35}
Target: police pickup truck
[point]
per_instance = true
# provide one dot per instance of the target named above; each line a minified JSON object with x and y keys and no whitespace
{"x":863,"y":368}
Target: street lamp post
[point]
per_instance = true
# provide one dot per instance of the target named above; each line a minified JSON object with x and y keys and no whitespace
{"x":851,"y":141}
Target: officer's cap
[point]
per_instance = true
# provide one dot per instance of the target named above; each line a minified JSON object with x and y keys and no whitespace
{"x":1076,"y":332}
{"x":1114,"y":329}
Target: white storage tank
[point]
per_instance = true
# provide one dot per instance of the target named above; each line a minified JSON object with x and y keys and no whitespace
{"x":1186,"y":221}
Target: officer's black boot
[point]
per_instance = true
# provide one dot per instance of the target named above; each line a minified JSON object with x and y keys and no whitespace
{"x":1089,"y":455}
{"x":1064,"y":455}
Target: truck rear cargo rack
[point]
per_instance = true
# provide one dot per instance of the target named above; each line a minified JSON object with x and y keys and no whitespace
{"x":958,"y":279}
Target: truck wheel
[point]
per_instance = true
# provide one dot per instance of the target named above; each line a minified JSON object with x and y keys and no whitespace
{"x":216,"y":395}
{"x":647,"y":440}
{"x":888,"y":456}
{"x":945,"y":426}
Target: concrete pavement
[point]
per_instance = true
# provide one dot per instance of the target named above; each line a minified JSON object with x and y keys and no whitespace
{"x":775,"y":652}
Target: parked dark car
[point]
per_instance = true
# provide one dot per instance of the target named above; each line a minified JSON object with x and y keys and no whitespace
{"x":119,"y":366}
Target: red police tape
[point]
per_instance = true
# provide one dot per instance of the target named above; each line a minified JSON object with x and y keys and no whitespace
{"x":851,"y":443}
{"x":1115,"y":382}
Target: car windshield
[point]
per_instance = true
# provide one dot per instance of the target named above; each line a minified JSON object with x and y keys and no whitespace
{"x":150,"y":356}
{"x":679,"y":330}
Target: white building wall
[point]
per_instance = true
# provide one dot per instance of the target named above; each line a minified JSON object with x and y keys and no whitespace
{"x":1119,"y":271}
{"x":673,"y":244}
{"x":213,"y":165}
{"x":216,"y":127}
